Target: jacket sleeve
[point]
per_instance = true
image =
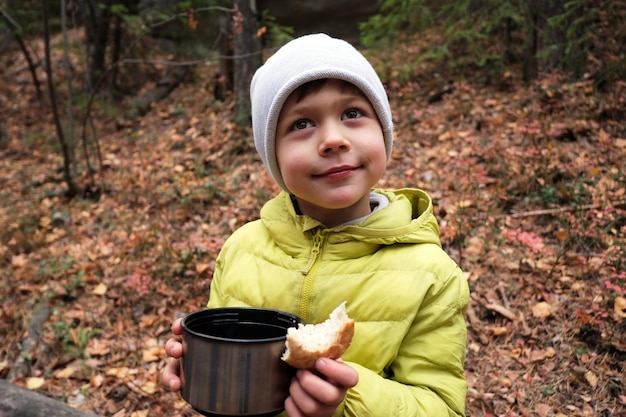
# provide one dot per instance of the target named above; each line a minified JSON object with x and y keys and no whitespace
{"x":427,"y":376}
{"x":218,"y":297}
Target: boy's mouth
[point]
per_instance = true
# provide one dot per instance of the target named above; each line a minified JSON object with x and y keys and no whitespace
{"x":337,"y":172}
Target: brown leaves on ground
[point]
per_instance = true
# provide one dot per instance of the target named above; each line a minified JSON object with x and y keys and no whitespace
{"x":528,"y":184}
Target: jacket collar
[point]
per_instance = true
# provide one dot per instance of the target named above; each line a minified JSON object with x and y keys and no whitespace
{"x":408,"y":218}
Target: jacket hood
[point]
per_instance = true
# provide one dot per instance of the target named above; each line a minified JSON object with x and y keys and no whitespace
{"x":408,"y":218}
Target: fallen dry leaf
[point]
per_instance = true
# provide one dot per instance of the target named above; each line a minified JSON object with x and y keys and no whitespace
{"x":149,"y":388}
{"x":97,"y":347}
{"x":544,"y":410}
{"x":619,"y":308}
{"x":67,"y":372}
{"x":542,"y":310}
{"x":502,"y":310}
{"x":474,"y":246}
{"x":540,"y":355}
{"x":121,"y":373}
{"x":152,"y":354}
{"x":34,"y":383}
{"x":96,"y":380}
{"x":497,"y":330}
{"x":147,"y":320}
{"x":19,"y":261}
{"x":100,"y":289}
{"x":592,"y":379}
{"x":4,"y":364}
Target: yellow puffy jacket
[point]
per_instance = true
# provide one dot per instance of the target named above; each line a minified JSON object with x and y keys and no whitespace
{"x":406,"y":295}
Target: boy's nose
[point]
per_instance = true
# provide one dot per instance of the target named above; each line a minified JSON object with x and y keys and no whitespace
{"x":333,"y":140}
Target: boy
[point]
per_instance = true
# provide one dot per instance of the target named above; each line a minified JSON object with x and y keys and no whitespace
{"x":323,"y":128}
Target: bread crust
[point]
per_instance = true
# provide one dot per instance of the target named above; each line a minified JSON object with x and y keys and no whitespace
{"x":298,"y":356}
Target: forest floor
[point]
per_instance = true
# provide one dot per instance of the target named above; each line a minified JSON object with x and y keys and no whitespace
{"x":528,"y":182}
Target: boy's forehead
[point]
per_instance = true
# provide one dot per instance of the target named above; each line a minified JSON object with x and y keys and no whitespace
{"x":314,"y":86}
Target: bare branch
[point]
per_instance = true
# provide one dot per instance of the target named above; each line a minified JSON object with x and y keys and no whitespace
{"x":559,"y":210}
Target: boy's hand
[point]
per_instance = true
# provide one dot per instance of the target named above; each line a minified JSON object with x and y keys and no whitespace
{"x":312,"y":395}
{"x":170,"y":376}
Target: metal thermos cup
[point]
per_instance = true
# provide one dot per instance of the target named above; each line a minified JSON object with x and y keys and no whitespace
{"x":231,"y":362}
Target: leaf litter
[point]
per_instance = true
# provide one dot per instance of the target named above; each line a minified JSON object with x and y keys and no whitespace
{"x":529,"y":190}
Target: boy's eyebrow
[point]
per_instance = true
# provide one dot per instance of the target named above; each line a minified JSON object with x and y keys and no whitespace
{"x":344,"y":98}
{"x":310,"y":87}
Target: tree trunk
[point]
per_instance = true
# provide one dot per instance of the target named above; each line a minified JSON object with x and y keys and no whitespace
{"x":530,"y":63}
{"x":20,"y":41}
{"x":31,"y":65}
{"x":117,"y":51}
{"x":551,"y":41}
{"x":247,"y":56}
{"x":72,"y":190}
{"x":224,"y":81}
{"x":96,"y":17}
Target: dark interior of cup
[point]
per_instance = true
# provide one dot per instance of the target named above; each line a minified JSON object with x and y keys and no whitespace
{"x":240,"y":324}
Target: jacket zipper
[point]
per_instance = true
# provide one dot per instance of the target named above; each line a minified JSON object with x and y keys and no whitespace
{"x":315,"y":251}
{"x":309,"y":278}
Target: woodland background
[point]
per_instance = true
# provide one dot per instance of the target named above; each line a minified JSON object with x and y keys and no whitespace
{"x":126,"y":160}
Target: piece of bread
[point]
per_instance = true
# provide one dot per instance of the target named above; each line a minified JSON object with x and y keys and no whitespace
{"x":329,"y":339}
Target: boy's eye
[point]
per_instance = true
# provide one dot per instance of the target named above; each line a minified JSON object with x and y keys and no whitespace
{"x":302,"y":124}
{"x":352,"y":114}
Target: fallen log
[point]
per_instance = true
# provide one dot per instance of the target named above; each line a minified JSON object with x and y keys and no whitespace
{"x":16,"y":401}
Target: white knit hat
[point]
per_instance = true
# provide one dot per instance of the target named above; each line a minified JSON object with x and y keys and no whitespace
{"x":304,"y":59}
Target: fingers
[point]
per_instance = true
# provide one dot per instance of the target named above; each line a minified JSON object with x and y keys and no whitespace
{"x":177,"y":327}
{"x":323,"y":390}
{"x":337,"y":371}
{"x":303,"y":402}
{"x":174,"y":348}
{"x":170,"y":376}
{"x":291,"y":408}
{"x":319,"y":393}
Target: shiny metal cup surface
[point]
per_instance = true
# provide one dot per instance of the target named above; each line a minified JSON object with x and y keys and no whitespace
{"x":231,"y":362}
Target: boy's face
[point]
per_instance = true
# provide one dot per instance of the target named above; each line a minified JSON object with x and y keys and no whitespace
{"x":331,"y":151}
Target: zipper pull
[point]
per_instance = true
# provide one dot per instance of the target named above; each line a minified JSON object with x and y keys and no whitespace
{"x":315,"y":251}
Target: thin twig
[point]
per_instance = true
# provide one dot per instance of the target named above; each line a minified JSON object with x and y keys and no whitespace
{"x":191,"y":63}
{"x":505,"y":299}
{"x":558,"y":210}
{"x":185,"y":14}
{"x":8,"y":17}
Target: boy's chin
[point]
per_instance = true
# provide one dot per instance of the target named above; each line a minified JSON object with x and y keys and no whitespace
{"x":337,"y":201}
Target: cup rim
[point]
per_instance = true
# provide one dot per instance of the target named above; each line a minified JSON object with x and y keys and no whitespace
{"x":250,"y":315}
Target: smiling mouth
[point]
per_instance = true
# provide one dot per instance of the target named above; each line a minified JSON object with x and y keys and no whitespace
{"x":337,"y":173}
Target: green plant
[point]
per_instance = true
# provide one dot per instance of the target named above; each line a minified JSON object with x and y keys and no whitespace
{"x":548,"y":195}
{"x":73,"y":339}
{"x":63,"y":269}
{"x":469,"y":29}
{"x":548,"y":390}
{"x":277,"y":34}
{"x":545,"y":36}
{"x":53,"y":267}
{"x":572,"y":22}
{"x":75,"y":283}
{"x":396,"y":15}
